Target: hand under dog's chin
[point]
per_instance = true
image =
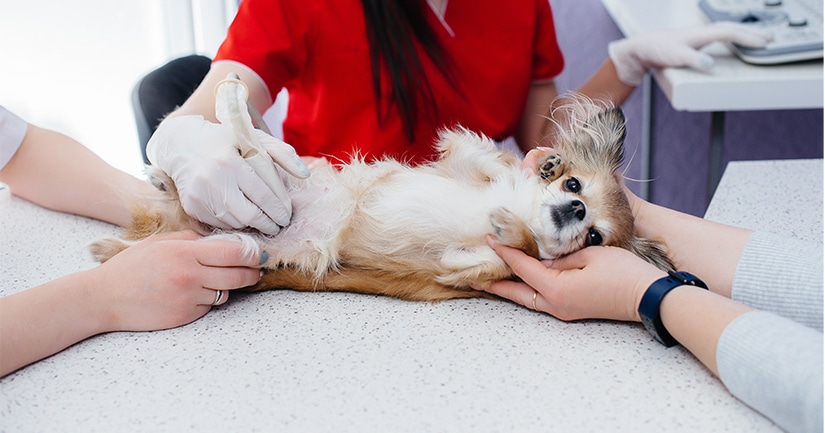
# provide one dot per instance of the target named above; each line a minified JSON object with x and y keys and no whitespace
{"x":558,"y":249}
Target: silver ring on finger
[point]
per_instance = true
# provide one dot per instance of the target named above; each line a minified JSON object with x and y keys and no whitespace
{"x":218,"y":297}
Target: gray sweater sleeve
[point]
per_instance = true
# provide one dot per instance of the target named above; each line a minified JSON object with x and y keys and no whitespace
{"x":774,"y":365}
{"x":783,"y":276}
{"x":772,"y":359}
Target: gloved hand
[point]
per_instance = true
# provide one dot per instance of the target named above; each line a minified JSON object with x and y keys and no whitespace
{"x":216,"y":185}
{"x":635,"y":55}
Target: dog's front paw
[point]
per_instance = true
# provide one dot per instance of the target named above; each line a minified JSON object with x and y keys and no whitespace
{"x":551,"y":167}
{"x":512,"y":231}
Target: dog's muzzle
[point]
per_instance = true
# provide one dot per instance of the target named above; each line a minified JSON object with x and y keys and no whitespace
{"x":566,"y":213}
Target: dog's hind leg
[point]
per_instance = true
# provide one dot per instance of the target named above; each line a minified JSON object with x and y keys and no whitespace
{"x":106,"y":248}
{"x":472,"y":158}
{"x":410,"y":286}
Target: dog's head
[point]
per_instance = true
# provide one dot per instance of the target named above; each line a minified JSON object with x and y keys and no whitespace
{"x":583,"y":202}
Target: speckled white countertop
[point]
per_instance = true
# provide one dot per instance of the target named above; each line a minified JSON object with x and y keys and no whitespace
{"x":313,"y":362}
{"x":783,"y":197}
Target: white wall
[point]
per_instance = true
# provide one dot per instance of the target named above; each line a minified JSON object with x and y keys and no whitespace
{"x":71,"y":65}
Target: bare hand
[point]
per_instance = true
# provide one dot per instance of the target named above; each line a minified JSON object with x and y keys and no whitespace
{"x":594,"y":283}
{"x":169,"y":280}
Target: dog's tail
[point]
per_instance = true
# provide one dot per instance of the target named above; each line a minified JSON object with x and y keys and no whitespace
{"x":654,"y":252}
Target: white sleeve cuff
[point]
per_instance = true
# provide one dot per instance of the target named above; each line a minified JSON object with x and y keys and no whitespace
{"x":12,"y":131}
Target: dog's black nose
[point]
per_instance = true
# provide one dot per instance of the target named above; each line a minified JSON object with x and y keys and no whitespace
{"x":578,"y":209}
{"x":568,"y":213}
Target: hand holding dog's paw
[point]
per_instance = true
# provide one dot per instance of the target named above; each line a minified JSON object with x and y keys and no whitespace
{"x":169,"y":280}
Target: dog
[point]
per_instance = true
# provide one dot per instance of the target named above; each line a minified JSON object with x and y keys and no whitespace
{"x":419,"y":232}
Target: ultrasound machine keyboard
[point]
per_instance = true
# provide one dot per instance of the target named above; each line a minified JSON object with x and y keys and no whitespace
{"x":796,"y":26}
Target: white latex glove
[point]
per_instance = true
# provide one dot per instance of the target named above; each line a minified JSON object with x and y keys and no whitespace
{"x":635,"y":55}
{"x":216,"y":185}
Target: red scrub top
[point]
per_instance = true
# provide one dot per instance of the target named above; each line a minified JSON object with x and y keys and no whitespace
{"x":318,"y":50}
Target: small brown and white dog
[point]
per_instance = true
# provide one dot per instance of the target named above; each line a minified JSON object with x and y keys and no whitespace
{"x":419,"y":233}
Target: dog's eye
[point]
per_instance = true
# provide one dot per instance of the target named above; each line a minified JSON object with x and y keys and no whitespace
{"x":594,"y":237}
{"x":573,"y":185}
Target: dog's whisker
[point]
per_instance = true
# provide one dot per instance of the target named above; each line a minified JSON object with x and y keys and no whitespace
{"x":630,"y":179}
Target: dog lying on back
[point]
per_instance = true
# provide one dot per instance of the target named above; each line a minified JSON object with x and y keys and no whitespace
{"x":419,"y":233}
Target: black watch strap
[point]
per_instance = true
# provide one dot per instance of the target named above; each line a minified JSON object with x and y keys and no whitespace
{"x":652,"y":299}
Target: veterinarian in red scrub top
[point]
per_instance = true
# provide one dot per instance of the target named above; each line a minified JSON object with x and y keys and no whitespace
{"x":381,"y":78}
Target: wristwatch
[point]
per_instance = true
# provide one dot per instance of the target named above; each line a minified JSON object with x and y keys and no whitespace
{"x":652,"y":299}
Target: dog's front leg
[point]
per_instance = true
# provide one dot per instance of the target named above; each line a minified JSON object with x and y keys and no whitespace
{"x":472,"y":265}
{"x":514,"y":232}
{"x":481,"y":265}
{"x":509,"y":229}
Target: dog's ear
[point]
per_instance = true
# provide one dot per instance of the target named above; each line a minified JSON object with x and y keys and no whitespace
{"x":589,"y":132}
{"x":653,"y":252}
{"x":603,"y":135}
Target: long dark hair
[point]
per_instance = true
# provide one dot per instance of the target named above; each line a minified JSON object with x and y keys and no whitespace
{"x":393,"y":26}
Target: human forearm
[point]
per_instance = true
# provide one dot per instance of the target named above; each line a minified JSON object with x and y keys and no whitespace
{"x":44,"y":320}
{"x":202,"y":100}
{"x":173,"y":279}
{"x":56,"y":172}
{"x":705,"y":248}
{"x":605,"y":85}
{"x":696,"y":318}
{"x":534,"y":127}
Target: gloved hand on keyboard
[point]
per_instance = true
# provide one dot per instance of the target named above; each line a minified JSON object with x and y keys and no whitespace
{"x":635,"y":55}
{"x":215,"y":183}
